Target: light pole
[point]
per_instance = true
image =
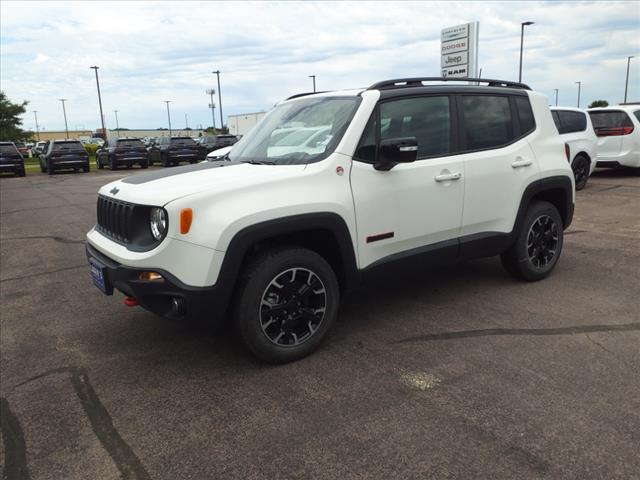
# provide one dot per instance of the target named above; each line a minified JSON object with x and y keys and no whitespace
{"x":314,"y":82}
{"x":104,"y":132}
{"x":579,"y":87}
{"x":217,"y":72}
{"x":35,"y":114}
{"x":186,"y":121}
{"x":64,"y":112}
{"x":626,"y":83}
{"x":168,"y":115}
{"x":117,"y":124}
{"x":556,"y":90}
{"x":211,"y":92}
{"x":522,"y":25}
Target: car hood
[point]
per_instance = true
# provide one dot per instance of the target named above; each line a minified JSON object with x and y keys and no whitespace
{"x":164,"y":186}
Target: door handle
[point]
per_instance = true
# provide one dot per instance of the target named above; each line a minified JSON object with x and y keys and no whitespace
{"x":447,"y":177}
{"x":521,"y":162}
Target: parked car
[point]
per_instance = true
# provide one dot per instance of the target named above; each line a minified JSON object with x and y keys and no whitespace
{"x":274,"y":241}
{"x":11,"y":160}
{"x":214,"y":142}
{"x":574,"y":126}
{"x":125,"y":152}
{"x":218,"y":154}
{"x":169,"y":151}
{"x":64,"y":155}
{"x":22,"y":148}
{"x":38,"y":148}
{"x":618,"y":131}
{"x":96,"y":141}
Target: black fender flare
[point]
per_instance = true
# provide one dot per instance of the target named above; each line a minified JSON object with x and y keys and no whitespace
{"x":555,"y":183}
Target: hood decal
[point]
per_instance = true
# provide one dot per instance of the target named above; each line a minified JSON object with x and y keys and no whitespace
{"x":169,"y":172}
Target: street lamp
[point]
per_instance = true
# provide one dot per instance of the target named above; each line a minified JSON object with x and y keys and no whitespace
{"x":626,"y":84}
{"x":579,"y":87}
{"x":64,"y":112}
{"x":211,"y":92}
{"x":556,"y":90}
{"x":522,"y":25}
{"x":104,"y":132}
{"x":168,"y":115}
{"x":35,"y":114}
{"x":217,"y":72}
{"x":117,"y":124}
{"x":314,"y":82}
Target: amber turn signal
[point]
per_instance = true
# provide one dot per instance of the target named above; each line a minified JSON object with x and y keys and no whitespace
{"x":150,"y":276}
{"x":186,"y":217}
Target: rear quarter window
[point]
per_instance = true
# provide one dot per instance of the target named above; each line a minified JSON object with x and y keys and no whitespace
{"x":571,"y":122}
{"x":525,"y":115}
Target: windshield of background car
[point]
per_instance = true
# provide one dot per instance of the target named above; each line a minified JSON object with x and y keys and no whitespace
{"x":130,"y":144}
{"x":7,"y":148}
{"x":67,"y":146}
{"x":282,"y":137}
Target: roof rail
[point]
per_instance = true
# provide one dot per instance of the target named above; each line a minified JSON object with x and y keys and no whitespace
{"x":297,"y":95}
{"x":417,"y":82}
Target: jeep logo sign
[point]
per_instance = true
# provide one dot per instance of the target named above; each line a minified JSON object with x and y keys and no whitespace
{"x":459,"y":51}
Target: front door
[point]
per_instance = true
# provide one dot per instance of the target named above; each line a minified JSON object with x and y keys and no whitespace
{"x":416,"y":205}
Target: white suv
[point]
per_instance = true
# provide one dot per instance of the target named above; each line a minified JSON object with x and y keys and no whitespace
{"x":618,"y":131}
{"x":409,"y":175}
{"x":574,"y":125}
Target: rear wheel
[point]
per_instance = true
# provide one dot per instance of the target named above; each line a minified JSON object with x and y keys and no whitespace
{"x":144,"y":163}
{"x":99,"y":164}
{"x":21,"y":172}
{"x":580,"y":167}
{"x":86,"y":168}
{"x":113,"y":165}
{"x":538,"y":244}
{"x":164,"y":160}
{"x":49,"y":168}
{"x":286,"y":301}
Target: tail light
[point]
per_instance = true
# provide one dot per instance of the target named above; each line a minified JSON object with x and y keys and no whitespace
{"x":567,"y":152}
{"x":613,"y":131}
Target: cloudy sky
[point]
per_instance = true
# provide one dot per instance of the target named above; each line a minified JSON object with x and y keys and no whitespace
{"x":154,"y":51}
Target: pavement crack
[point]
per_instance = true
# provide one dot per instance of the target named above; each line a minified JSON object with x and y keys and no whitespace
{"x":45,"y":237}
{"x":523,"y":331}
{"x":571,"y":232}
{"x":42,"y":273}
{"x":15,"y":451}
{"x":101,"y":422}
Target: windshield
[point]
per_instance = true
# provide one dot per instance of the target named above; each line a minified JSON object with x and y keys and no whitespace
{"x":297,"y":132}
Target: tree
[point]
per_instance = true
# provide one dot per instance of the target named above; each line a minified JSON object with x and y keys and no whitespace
{"x":599,"y":103}
{"x":10,"y":121}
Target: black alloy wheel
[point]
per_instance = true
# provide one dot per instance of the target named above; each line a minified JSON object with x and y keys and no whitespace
{"x":293,"y":307}
{"x":580,"y":167}
{"x":542,"y":241}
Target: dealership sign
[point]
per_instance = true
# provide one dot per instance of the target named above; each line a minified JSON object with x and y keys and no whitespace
{"x":459,"y":51}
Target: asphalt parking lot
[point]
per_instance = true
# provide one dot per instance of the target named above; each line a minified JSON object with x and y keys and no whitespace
{"x":463,"y":373}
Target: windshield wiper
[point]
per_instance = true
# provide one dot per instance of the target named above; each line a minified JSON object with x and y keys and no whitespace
{"x":258,"y":162}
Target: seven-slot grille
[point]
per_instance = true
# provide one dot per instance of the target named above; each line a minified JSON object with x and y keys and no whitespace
{"x":114,"y":218}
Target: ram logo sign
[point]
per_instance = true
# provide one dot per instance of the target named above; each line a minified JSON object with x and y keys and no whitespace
{"x":459,"y":51}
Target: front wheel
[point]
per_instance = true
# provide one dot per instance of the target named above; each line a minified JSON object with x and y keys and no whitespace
{"x":538,"y":244}
{"x":99,"y":164}
{"x":286,"y":302}
{"x":580,"y":167}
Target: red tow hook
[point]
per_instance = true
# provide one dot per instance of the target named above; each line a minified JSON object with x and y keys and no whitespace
{"x":131,"y":302}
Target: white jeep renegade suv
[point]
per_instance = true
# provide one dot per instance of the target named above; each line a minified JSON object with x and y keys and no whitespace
{"x":399,"y":176}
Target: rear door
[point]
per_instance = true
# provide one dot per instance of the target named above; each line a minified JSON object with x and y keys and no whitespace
{"x":499,"y":163}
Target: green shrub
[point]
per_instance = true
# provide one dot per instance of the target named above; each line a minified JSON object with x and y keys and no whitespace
{"x":91,"y":148}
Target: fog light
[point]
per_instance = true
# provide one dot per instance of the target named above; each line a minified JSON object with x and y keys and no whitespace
{"x":150,"y":276}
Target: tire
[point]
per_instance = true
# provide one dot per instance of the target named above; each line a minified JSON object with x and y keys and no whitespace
{"x":265,"y":278}
{"x":99,"y":164}
{"x":580,"y":167}
{"x":49,"y":168}
{"x":144,"y":164}
{"x":164,"y":160}
{"x":21,"y":172}
{"x":538,"y":244}
{"x":86,"y":168}
{"x":43,"y":169}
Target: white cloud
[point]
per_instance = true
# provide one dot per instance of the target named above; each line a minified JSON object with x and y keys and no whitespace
{"x":152,"y":51}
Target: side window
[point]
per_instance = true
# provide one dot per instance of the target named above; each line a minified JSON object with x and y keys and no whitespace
{"x":572,"y":121}
{"x":425,"y":118}
{"x":525,"y":115}
{"x":487,"y":121}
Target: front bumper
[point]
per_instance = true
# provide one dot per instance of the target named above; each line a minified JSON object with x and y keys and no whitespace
{"x":162,"y":297}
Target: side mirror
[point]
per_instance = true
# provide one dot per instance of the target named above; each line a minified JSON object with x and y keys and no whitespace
{"x":396,"y":150}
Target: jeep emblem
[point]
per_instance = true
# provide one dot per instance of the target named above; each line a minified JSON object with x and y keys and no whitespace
{"x":114,"y":190}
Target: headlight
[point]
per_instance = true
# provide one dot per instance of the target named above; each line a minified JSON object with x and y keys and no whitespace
{"x":158,"y":222}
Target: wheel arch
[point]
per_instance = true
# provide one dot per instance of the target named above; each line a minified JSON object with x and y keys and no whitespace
{"x":325,"y":233}
{"x":557,"y":190}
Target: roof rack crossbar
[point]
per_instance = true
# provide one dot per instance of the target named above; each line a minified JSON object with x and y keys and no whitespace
{"x":417,"y":82}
